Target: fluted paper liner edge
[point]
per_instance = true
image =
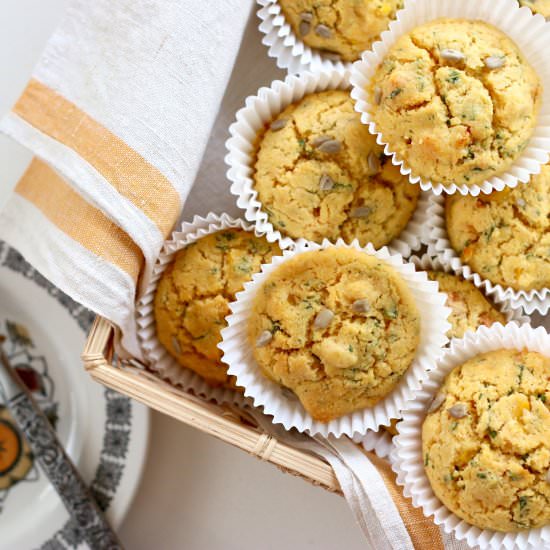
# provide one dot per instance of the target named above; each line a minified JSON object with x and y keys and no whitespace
{"x":282,"y":404}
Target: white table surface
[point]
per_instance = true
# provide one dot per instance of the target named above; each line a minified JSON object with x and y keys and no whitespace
{"x":196,"y":492}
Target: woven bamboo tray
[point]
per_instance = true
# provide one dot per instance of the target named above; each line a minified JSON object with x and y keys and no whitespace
{"x":233,"y":426}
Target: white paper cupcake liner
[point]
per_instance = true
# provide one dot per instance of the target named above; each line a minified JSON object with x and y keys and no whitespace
{"x":407,"y":460}
{"x":286,"y":48}
{"x":436,"y":238}
{"x":380,"y":442}
{"x":430,"y":263}
{"x":241,"y":146}
{"x":283,"y":405}
{"x":157,"y":357}
{"x":530,"y":32}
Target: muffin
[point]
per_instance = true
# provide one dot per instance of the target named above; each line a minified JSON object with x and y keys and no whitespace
{"x":537,"y":6}
{"x":456,"y":101}
{"x":485,"y":441}
{"x":469,"y":307}
{"x":337,"y":327}
{"x":340,"y":29}
{"x":320,"y":174}
{"x":193,"y":296}
{"x":505,"y":236}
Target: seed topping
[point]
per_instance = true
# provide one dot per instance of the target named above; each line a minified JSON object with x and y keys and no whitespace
{"x":319,"y":140}
{"x":361,"y":212}
{"x":323,"y":318}
{"x":264,"y":339}
{"x":176,"y":345}
{"x":330,"y":146}
{"x":437,"y":401}
{"x":326,"y":183}
{"x":304,"y":27}
{"x":494,"y":62}
{"x":374,"y":164}
{"x":323,"y":31}
{"x":448,"y":54}
{"x":459,"y":410}
{"x":279,"y":124}
{"x":361,"y":306}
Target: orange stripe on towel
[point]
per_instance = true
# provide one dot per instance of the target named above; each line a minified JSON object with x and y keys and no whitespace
{"x":125,"y":169}
{"x":424,"y":533}
{"x":78,"y":219}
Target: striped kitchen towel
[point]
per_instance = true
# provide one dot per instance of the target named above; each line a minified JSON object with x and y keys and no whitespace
{"x":118,"y":113}
{"x":386,"y":517}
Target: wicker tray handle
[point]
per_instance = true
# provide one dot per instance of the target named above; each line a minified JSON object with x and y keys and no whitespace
{"x":129,"y":377}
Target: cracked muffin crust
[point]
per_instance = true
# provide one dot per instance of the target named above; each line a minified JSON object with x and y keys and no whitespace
{"x":320,"y":174}
{"x":505,"y":236}
{"x":456,"y":101}
{"x":485,"y":441}
{"x":469,"y":307}
{"x":193,"y":296}
{"x":339,"y":28}
{"x":338,"y":327}
{"x":537,"y":6}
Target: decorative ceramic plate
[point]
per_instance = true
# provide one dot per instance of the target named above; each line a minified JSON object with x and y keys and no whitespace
{"x":104,"y":432}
